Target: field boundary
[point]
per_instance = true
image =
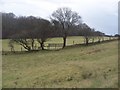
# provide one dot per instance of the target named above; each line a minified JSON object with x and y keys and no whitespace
{"x":35,"y":51}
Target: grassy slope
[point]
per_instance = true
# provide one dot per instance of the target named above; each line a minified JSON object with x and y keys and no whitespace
{"x":93,"y":66}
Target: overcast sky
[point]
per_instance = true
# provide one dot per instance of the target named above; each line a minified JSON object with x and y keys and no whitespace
{"x":99,"y":14}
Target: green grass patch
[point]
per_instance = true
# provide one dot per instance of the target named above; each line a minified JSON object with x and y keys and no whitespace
{"x":74,"y":67}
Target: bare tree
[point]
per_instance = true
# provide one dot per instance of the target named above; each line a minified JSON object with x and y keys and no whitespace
{"x":24,"y":39}
{"x":66,"y":17}
{"x":86,"y":32}
{"x":100,"y":35}
{"x":43,"y":32}
{"x":8,"y":24}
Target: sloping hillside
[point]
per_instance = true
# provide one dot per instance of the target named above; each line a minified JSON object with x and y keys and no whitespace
{"x":92,"y":66}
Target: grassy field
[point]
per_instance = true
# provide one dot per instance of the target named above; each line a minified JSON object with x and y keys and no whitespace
{"x":76,"y":67}
{"x":76,"y":39}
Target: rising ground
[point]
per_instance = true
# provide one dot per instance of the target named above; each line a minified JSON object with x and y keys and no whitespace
{"x":75,"y":66}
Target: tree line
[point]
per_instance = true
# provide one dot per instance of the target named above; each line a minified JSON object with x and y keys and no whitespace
{"x":63,"y":22}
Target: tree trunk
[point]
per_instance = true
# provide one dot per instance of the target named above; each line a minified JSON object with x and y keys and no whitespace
{"x":86,"y":40}
{"x":42,"y":45}
{"x":29,"y":49}
{"x":64,"y":42}
{"x":32,"y":44}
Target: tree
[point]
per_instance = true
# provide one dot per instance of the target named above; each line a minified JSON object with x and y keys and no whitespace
{"x":56,"y":28}
{"x":93,"y":35}
{"x":117,"y":35}
{"x":22,"y":40}
{"x":43,"y":32}
{"x":99,"y":35}
{"x":25,"y":33}
{"x":8,"y":24}
{"x":86,"y":32}
{"x":66,"y":17}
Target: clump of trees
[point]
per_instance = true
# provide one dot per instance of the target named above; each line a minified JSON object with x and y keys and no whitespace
{"x":64,"y":22}
{"x":24,"y":30}
{"x":117,"y":35}
{"x":66,"y":18}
